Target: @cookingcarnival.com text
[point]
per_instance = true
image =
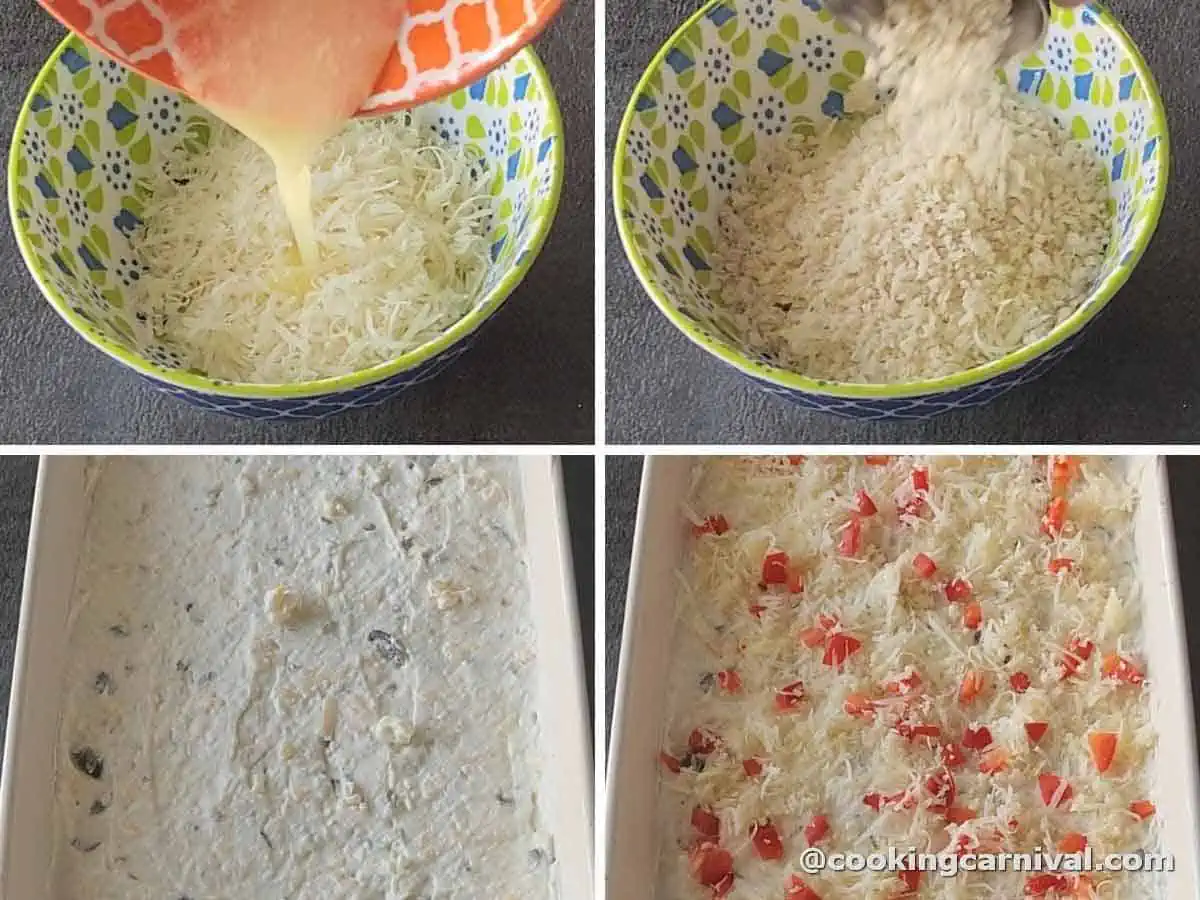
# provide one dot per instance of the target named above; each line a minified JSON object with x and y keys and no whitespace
{"x":814,"y":860}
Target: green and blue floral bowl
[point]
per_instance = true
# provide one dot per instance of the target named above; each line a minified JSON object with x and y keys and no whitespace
{"x":741,"y":72}
{"x":90,"y":130}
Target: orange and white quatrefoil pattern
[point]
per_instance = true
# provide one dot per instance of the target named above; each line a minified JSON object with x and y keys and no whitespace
{"x":442,"y":45}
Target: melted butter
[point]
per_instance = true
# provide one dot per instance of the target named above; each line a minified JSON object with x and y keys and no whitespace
{"x":291,"y":151}
{"x":288,"y":76}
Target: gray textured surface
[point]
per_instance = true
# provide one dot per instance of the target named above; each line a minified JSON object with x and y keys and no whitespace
{"x":623,"y":476}
{"x":18,"y":473}
{"x":54,"y":388}
{"x":1131,"y":381}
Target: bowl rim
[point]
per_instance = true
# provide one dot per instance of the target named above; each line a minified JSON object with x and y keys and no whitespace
{"x":1097,"y":300}
{"x":360,"y":378}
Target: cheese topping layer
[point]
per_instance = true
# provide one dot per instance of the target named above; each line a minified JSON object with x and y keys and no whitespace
{"x":940,"y":654}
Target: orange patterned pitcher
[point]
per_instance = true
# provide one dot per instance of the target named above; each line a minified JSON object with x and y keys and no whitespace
{"x":438,"y":45}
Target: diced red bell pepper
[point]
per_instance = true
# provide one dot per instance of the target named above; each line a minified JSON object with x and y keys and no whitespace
{"x":1077,"y":652}
{"x":994,"y":760}
{"x":912,"y":732}
{"x":906,"y":685}
{"x":952,"y":756}
{"x":702,"y":741}
{"x":1103,"y":747}
{"x":959,"y":814}
{"x":1035,"y":731}
{"x":942,"y":790}
{"x":795,"y":581}
{"x":669,"y":762}
{"x":706,"y":822}
{"x":972,"y":616}
{"x":813,"y":637}
{"x":850,"y":544}
{"x":920,"y":480}
{"x":877,"y":460}
{"x":1061,"y":564}
{"x":1055,"y":517}
{"x":717,"y":525}
{"x":1063,"y":470}
{"x":1121,"y":669}
{"x":729,"y":681}
{"x":860,"y":706}
{"x":710,"y":863}
{"x":789,"y":697}
{"x":873,"y":800}
{"x":815,"y":830}
{"x":1054,"y":790}
{"x":827,"y":622}
{"x":1045,"y":883}
{"x":911,"y":879}
{"x":839,"y":648}
{"x":767,"y":843}
{"x":775,"y":568}
{"x":957,"y":590}
{"x":796,"y":460}
{"x":924,"y":565}
{"x":752,"y":767}
{"x":1072,"y":842}
{"x":798,"y":890}
{"x":1143,"y":809}
{"x":866,"y":506}
{"x":972,"y":686}
{"x":977,"y":738}
{"x":913,"y":509}
{"x":900,"y":800}
{"x":1020,"y":682}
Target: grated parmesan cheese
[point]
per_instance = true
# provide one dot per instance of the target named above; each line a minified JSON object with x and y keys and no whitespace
{"x":980,"y":522}
{"x":402,"y":225}
{"x":949,"y":228}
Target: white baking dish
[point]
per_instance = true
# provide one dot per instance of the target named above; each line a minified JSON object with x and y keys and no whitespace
{"x":660,"y":547}
{"x":27,"y":788}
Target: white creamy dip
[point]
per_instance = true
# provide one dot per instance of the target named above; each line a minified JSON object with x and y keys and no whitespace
{"x":303,"y":679}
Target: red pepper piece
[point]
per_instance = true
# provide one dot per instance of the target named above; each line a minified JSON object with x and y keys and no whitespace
{"x":815,"y":830}
{"x":767,"y":843}
{"x":866,"y":506}
{"x":775,"y":568}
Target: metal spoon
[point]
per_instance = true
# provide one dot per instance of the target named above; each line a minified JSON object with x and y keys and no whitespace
{"x":1030,"y":19}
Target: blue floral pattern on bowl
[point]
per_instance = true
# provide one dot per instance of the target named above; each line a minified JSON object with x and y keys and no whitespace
{"x":91,"y":130}
{"x":742,"y":72}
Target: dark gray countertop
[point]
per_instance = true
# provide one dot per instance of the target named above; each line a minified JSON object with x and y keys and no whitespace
{"x":18,"y":474}
{"x":1131,"y":381}
{"x":623,"y":477}
{"x":528,"y":380}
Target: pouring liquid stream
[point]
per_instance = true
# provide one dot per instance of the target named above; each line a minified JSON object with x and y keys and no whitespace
{"x":288,"y":76}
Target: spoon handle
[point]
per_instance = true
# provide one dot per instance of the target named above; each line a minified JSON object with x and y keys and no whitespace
{"x":1029,"y":21}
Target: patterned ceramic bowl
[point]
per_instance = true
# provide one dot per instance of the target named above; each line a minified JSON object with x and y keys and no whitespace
{"x":739,"y":71}
{"x":90,"y":129}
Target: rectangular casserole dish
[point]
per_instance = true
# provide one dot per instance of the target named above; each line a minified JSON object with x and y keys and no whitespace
{"x":661,"y":544}
{"x":56,"y":536}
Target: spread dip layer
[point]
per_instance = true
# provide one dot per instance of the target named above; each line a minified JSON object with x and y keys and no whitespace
{"x":302,"y":679}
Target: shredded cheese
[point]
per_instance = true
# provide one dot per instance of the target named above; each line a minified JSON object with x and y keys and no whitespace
{"x":979,"y":521}
{"x":402,"y":225}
